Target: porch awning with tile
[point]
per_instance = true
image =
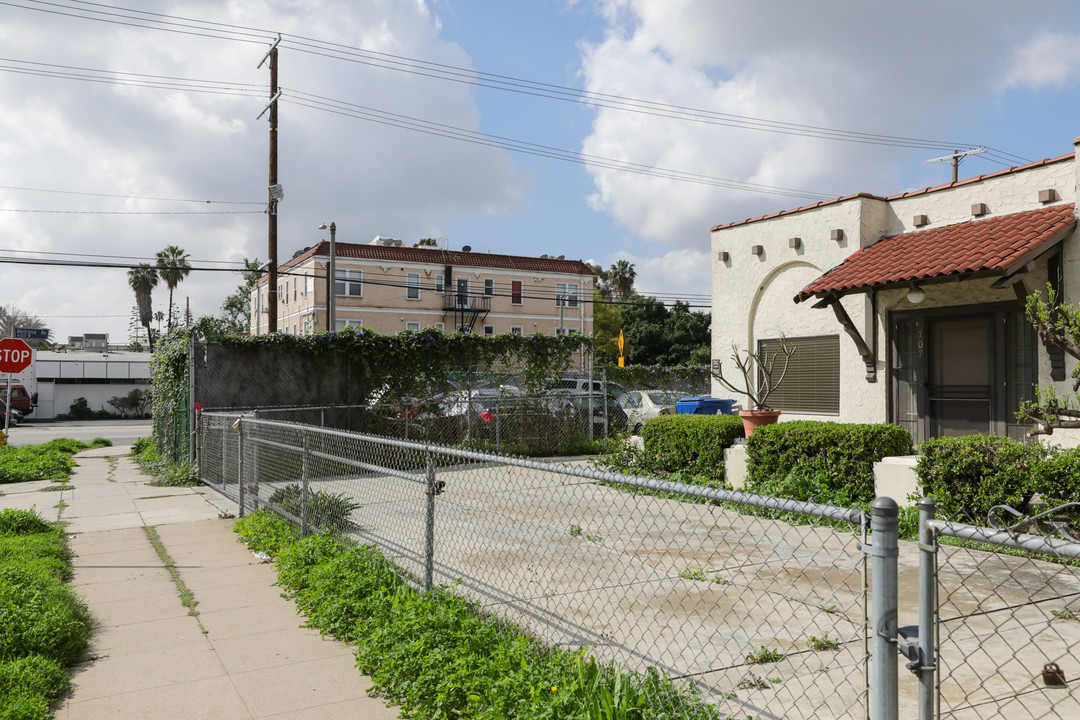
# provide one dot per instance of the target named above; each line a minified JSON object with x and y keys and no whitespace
{"x":1000,"y":246}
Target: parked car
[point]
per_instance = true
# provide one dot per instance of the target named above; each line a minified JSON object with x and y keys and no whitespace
{"x":643,"y":405}
{"x":20,"y":399}
{"x":575,"y":405}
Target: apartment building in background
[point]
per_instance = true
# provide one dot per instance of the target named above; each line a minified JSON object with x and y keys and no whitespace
{"x":387,"y":287}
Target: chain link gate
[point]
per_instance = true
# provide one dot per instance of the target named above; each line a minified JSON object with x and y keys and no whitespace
{"x":1006,"y":617}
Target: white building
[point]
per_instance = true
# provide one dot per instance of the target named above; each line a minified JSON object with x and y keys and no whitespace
{"x":59,"y":378}
{"x":910,"y":308}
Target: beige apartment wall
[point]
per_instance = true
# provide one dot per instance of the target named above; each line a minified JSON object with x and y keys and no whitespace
{"x":384,"y":305}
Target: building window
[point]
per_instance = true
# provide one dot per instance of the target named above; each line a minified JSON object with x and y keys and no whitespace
{"x":440,"y":283}
{"x":517,"y":330}
{"x":412,"y":326}
{"x":440,"y":326}
{"x":515,"y":292}
{"x":294,"y":289}
{"x":566,"y":295}
{"x":489,"y":286}
{"x":349,"y":282}
{"x":566,"y":331}
{"x":812,"y":382}
{"x":412,"y":286}
{"x":340,"y":325}
{"x":489,"y":329}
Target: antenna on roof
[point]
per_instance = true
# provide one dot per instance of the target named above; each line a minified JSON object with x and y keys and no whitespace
{"x":956,"y":157}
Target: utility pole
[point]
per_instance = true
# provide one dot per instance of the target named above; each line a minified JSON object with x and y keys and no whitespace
{"x":274,"y":189}
{"x":956,"y":157}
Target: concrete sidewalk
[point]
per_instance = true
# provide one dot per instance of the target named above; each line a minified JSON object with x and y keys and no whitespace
{"x":243,"y":655}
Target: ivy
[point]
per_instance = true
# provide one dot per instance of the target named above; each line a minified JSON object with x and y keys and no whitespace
{"x":408,"y":362}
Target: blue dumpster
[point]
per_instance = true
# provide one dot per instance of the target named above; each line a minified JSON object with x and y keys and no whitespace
{"x":704,"y":406}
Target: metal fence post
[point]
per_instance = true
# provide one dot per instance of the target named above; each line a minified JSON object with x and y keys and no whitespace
{"x":927,"y":608}
{"x":304,"y":529}
{"x":192,"y":417}
{"x":884,"y":686}
{"x":239,"y":462}
{"x":429,"y":529}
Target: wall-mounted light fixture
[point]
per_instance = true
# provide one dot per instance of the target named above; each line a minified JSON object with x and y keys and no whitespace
{"x":916,"y":295}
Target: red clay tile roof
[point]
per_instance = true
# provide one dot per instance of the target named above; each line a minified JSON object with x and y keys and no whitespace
{"x":437,"y":256}
{"x":994,"y":245}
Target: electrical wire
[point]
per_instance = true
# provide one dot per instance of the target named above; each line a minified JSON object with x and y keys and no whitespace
{"x":133,"y":212}
{"x":477,"y":78}
{"x":132,"y":197}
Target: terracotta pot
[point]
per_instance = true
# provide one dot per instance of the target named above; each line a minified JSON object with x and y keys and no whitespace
{"x":754,"y":418}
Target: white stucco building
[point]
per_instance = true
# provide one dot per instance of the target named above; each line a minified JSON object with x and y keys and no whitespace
{"x":909,"y":308}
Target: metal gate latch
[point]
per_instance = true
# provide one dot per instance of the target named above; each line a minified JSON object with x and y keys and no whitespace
{"x":907,"y":642}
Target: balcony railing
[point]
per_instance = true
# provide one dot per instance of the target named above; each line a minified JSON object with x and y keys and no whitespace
{"x":464,"y":301}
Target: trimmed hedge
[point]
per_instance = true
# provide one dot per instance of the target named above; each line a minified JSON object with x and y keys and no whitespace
{"x":692,"y":444}
{"x":969,"y":475}
{"x":840,"y":457}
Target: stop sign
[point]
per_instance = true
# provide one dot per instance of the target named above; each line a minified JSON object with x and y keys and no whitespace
{"x":15,"y":355}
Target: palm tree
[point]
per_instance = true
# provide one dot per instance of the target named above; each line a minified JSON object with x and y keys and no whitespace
{"x":621,"y":276}
{"x":173,"y":266}
{"x":143,"y":280}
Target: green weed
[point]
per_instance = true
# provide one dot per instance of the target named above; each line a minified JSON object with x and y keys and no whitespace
{"x":266,"y":532}
{"x":823,"y":643}
{"x":764,"y":655}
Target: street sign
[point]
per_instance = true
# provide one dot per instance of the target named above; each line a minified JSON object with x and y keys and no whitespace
{"x":15,"y":355}
{"x":32,"y":333}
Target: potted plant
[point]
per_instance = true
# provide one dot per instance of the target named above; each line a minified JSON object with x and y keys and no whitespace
{"x":760,"y":376}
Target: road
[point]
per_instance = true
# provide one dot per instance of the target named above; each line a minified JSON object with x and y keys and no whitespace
{"x":121,"y":432}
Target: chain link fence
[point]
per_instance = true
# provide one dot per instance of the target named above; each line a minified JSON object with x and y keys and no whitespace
{"x":1007,"y":619}
{"x":767,"y":616}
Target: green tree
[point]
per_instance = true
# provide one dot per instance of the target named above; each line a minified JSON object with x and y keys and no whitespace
{"x":236,"y":309}
{"x":173,"y":267}
{"x":143,"y":280}
{"x":607,"y":321}
{"x":603,"y":282}
{"x":621,"y":276}
{"x":13,"y":317}
{"x":427,"y":242}
{"x":1058,"y":326}
{"x":656,"y":335}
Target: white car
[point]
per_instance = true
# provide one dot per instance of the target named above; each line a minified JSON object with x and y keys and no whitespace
{"x":644,"y":405}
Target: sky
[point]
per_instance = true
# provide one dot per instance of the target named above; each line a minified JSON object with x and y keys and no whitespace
{"x":128,"y":127}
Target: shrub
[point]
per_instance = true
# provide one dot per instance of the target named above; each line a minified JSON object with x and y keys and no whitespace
{"x":22,"y":522}
{"x":972,"y":473}
{"x":325,"y":510}
{"x":440,"y":655}
{"x":141,"y":445}
{"x":838,"y":458}
{"x":265,"y":531}
{"x":691,"y":444}
{"x":1056,"y":477}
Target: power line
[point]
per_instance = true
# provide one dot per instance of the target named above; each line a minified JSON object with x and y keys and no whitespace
{"x":452,"y":73}
{"x":131,"y":197}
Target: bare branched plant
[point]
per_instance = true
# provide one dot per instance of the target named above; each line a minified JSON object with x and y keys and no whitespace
{"x":760,"y":374}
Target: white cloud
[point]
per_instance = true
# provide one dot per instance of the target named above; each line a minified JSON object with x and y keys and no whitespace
{"x":90,"y":137}
{"x":905,"y":69}
{"x":1051,"y":59}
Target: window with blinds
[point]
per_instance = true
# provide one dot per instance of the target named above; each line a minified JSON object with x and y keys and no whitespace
{"x":812,"y":383}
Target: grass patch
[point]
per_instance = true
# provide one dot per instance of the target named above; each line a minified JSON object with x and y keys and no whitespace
{"x":48,"y":461}
{"x":44,"y":627}
{"x":764,"y":655}
{"x":441,"y":655}
{"x":187,"y":597}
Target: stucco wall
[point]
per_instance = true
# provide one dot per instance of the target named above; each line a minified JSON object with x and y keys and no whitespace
{"x":753,"y":294}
